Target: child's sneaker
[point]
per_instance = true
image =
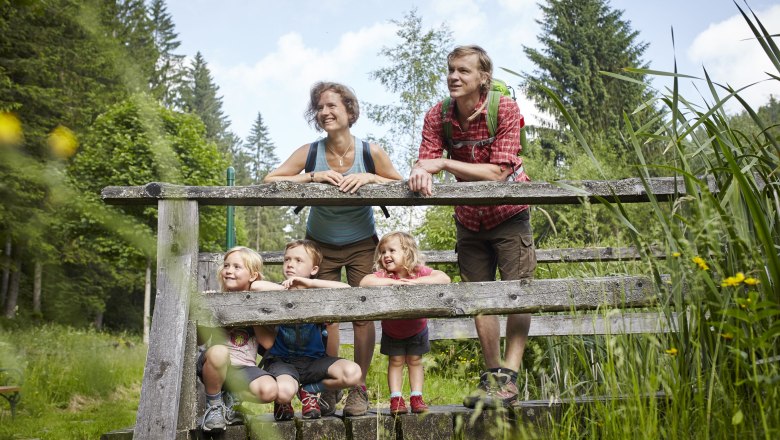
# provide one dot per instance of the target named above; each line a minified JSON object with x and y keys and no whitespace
{"x":418,"y":405}
{"x":214,"y":418}
{"x":397,"y":406}
{"x":311,"y":404}
{"x":232,"y":415}
{"x":357,"y":402}
{"x":328,"y":401}
{"x":283,"y":412}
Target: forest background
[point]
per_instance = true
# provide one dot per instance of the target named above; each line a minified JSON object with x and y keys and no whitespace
{"x":94,"y":93}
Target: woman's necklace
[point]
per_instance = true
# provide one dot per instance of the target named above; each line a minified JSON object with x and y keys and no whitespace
{"x":341,"y":158}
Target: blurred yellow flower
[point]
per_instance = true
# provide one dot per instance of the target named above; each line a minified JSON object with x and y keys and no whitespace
{"x":62,"y":142}
{"x":10,"y":129}
{"x":734,"y":281}
{"x":750,"y":281}
{"x":727,"y":336}
{"x":672,"y":351}
{"x":700,"y":262}
{"x":676,"y":254}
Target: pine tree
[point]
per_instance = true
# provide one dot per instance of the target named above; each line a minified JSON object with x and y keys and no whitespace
{"x":580,"y":38}
{"x":169,"y":68}
{"x":199,"y":95}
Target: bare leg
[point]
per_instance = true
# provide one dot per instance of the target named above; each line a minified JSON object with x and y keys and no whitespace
{"x":215,"y":368}
{"x":395,"y":374}
{"x":489,"y":338}
{"x":264,"y":389}
{"x":288,"y":387}
{"x":342,"y":374}
{"x":516,"y":336}
{"x":415,"y":372}
{"x":365,"y":338}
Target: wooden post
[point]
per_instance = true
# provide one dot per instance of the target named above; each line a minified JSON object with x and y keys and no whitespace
{"x":177,"y":259}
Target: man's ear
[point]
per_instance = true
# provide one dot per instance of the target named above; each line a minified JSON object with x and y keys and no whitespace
{"x":314,"y":270}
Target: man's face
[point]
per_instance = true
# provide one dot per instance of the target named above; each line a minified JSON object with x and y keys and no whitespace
{"x":464,"y":77}
{"x":298,"y":263}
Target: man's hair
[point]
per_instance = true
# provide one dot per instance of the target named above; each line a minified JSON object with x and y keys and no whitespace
{"x":348,"y":98}
{"x":412,"y":258}
{"x":310,"y":247}
{"x":253,"y":262}
{"x":483,"y":60}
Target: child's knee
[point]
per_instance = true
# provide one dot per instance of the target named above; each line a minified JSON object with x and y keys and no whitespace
{"x":414,"y":361}
{"x":351,"y":373}
{"x":287,"y":388}
{"x":265,"y":389}
{"x":218,"y":356}
{"x":396,"y":361}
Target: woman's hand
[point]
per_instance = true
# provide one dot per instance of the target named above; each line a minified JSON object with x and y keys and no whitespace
{"x":353,"y":182}
{"x":329,"y":176}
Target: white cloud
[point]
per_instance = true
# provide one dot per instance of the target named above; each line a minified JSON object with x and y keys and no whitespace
{"x":278,"y":85}
{"x":464,"y":17}
{"x":731,"y":55}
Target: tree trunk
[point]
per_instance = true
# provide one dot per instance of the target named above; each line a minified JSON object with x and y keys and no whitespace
{"x":37,"y":288}
{"x":147,"y":299}
{"x":13,"y":290}
{"x":6,"y":272}
{"x":99,"y":320}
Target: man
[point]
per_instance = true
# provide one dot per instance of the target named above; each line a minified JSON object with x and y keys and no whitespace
{"x":488,"y":237}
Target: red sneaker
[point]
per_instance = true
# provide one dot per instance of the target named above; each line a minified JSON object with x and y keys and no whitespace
{"x":311,"y":404}
{"x":418,"y":406}
{"x":397,"y":406}
{"x":283,"y":412}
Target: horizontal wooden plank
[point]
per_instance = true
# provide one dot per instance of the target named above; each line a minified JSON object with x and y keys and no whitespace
{"x":398,"y":193}
{"x":433,"y":301}
{"x":619,"y":322}
{"x":208,"y":262}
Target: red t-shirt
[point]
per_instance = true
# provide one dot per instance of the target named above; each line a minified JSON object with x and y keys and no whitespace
{"x":502,"y":151}
{"x":404,"y":328}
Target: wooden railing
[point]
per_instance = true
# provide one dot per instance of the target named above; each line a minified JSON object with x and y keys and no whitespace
{"x":167,"y":405}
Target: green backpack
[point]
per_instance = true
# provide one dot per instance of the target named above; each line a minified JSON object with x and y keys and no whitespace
{"x":498,"y":89}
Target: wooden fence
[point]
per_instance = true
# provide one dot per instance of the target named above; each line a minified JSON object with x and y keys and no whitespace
{"x":168,"y":407}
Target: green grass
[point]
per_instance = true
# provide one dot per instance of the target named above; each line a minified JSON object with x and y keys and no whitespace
{"x":78,"y":384}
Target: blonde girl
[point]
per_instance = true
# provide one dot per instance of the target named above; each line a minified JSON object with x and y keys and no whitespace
{"x":397,"y":260}
{"x":232,"y":358}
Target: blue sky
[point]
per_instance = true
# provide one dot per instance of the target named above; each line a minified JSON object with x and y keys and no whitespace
{"x":265,"y":55}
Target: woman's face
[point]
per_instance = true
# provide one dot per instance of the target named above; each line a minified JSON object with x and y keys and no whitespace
{"x":331,"y":112}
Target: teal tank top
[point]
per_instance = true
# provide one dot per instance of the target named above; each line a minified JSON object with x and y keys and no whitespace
{"x":340,"y":225}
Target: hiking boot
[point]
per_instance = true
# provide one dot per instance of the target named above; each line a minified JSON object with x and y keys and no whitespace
{"x":328,"y":401}
{"x":214,"y":418}
{"x":311,"y":404}
{"x":357,"y":402}
{"x":397,"y":406}
{"x":496,"y":389}
{"x":232,"y":415}
{"x":283,"y":412}
{"x":418,"y":405}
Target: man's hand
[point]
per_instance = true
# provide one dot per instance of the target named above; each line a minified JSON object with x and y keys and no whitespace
{"x":421,"y":178}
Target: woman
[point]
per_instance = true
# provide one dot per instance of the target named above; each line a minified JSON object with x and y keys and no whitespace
{"x":346,"y":234}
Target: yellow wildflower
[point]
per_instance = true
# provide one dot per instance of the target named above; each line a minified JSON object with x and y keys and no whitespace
{"x":734,"y":281}
{"x":727,"y":336}
{"x":10,"y":129}
{"x":62,"y":142}
{"x":750,"y":281}
{"x":672,"y":351}
{"x":700,"y":262}
{"x":676,"y":254}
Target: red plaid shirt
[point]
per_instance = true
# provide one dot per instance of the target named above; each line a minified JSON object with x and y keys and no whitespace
{"x":503,"y":151}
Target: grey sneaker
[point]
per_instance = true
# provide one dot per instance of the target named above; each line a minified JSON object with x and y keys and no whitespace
{"x":495,"y":389}
{"x":214,"y":418}
{"x":357,"y":402}
{"x":232,"y":414}
{"x":328,"y":401}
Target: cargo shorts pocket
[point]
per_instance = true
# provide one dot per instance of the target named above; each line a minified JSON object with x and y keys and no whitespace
{"x":527,"y":256}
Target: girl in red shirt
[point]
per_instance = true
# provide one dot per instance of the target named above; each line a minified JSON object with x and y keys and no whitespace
{"x":397,"y":260}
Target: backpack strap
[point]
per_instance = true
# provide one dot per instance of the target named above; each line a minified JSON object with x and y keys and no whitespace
{"x":368,"y":162}
{"x":310,"y":164}
{"x":494,"y":99}
{"x":446,"y":124}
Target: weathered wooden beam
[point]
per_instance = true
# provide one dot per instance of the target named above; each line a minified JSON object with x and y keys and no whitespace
{"x":440,"y":300}
{"x":398,"y":193}
{"x":177,"y":262}
{"x":621,"y":322}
